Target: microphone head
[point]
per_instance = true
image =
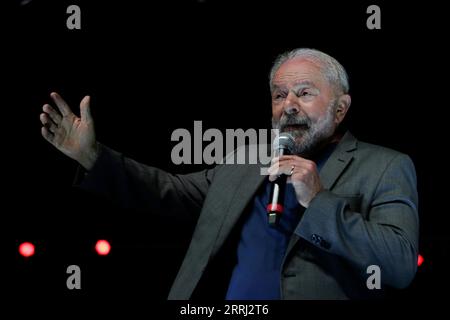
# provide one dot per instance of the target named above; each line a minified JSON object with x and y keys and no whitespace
{"x":284,"y":143}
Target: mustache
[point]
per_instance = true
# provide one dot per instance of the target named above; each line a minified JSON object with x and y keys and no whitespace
{"x":287,"y":120}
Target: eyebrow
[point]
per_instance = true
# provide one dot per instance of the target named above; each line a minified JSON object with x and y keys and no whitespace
{"x":303,"y":84}
{"x":298,"y":85}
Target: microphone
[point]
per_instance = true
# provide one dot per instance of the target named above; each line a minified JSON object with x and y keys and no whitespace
{"x":283,"y":144}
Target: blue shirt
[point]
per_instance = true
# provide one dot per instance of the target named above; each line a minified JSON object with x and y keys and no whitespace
{"x":260,"y":252}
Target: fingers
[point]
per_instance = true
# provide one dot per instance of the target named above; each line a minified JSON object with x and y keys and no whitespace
{"x":298,"y":162}
{"x":85,"y":109}
{"x":277,"y":169}
{"x":63,"y":107}
{"x":47,"y":134}
{"x":48,"y":123}
{"x":290,"y":165}
{"x":55,"y":116}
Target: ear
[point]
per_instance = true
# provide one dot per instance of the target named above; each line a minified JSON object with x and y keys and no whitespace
{"x":343,"y":105}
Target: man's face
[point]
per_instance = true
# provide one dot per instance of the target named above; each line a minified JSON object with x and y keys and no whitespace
{"x":303,"y":104}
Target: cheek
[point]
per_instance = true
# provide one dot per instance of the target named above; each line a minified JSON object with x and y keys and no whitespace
{"x":316,"y":117}
{"x":276,"y":111}
{"x":318,"y":111}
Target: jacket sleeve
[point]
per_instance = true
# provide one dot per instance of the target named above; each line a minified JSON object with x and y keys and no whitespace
{"x":389,"y":236}
{"x":133,"y":185}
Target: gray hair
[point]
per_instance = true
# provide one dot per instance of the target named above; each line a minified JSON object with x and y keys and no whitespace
{"x":333,"y":71}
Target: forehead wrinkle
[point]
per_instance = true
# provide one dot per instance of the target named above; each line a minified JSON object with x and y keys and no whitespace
{"x":292,"y":75}
{"x":296,"y":84}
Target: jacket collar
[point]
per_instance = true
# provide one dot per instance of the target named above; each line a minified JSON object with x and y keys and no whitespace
{"x":338,"y":160}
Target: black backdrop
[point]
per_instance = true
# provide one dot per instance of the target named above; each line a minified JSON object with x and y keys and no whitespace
{"x":156,"y":67}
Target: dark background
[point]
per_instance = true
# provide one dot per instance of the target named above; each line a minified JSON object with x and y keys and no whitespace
{"x":156,"y":67}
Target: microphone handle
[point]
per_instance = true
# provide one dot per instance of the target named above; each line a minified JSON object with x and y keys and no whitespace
{"x":275,"y":207}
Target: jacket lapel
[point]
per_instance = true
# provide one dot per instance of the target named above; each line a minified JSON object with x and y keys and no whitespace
{"x":332,"y":170}
{"x":338,"y":161}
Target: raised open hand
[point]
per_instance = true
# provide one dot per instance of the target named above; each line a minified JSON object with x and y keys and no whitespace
{"x":74,"y":136}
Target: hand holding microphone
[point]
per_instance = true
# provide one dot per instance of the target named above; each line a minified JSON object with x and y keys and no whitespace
{"x":301,"y":172}
{"x":282,"y":145}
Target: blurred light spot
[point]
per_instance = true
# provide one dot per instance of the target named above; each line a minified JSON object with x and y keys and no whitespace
{"x":419,"y":260}
{"x":102,"y":247}
{"x":26,"y":249}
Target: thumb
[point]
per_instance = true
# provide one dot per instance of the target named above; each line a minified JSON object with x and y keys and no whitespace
{"x":85,"y":109}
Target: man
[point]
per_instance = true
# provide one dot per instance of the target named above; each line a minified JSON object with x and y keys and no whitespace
{"x":349,"y":205}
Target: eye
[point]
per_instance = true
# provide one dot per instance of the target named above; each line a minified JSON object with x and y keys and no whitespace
{"x":304,"y":93}
{"x":279,"y":96}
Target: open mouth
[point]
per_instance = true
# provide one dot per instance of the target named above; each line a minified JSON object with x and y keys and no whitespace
{"x":295,"y":127}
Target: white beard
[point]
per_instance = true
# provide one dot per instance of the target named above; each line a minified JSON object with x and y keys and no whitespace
{"x":306,"y":140}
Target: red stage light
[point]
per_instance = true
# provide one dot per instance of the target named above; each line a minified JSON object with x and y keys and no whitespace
{"x":102,"y":247}
{"x":419,"y":260}
{"x":26,"y":249}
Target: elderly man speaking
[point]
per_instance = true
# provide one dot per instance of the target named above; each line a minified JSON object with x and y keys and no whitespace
{"x":350,"y":208}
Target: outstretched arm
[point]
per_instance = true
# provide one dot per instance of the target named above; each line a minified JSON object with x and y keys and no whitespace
{"x":127,"y":182}
{"x":134,"y":185}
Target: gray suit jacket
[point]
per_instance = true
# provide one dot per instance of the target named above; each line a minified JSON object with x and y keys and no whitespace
{"x":367,"y":215}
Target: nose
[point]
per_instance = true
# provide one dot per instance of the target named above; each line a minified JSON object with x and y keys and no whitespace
{"x":291,"y":105}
